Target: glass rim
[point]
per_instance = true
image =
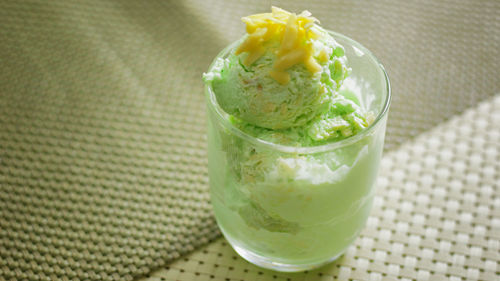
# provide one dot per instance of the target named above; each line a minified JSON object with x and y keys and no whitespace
{"x":220,"y":113}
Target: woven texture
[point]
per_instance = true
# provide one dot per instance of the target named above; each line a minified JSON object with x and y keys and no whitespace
{"x":436,"y":215}
{"x":102,"y":132}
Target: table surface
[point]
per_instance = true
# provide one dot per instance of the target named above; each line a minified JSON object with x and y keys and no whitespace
{"x":103,"y":171}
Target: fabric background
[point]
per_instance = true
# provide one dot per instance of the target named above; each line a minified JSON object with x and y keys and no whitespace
{"x":102,"y":128}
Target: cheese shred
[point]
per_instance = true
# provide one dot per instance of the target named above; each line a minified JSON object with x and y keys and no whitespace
{"x":295,"y":35}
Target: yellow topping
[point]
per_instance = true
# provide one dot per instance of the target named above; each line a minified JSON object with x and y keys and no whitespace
{"x":295,"y":34}
{"x":281,"y":76}
{"x":323,"y":56}
{"x":312,"y":65}
{"x":289,"y":59}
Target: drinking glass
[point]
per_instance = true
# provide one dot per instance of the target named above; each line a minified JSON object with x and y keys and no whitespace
{"x":291,"y":208}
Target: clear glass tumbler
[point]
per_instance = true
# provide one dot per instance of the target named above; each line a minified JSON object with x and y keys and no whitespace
{"x":296,"y":208}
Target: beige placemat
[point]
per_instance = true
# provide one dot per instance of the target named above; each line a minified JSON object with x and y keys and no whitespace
{"x":436,"y":215}
{"x":102,"y":131}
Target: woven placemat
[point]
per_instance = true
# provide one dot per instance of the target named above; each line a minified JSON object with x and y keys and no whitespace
{"x":102,"y":132}
{"x":436,"y":215}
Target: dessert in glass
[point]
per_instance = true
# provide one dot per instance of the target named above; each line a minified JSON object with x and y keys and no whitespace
{"x":296,"y":125}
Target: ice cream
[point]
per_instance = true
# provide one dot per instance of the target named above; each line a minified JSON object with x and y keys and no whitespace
{"x":288,"y":82}
{"x":286,"y":74}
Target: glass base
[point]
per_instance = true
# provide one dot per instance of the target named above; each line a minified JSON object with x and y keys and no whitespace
{"x":267,"y":263}
{"x":283,"y":267}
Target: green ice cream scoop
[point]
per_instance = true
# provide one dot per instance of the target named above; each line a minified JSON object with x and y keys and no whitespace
{"x":251,"y":94}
